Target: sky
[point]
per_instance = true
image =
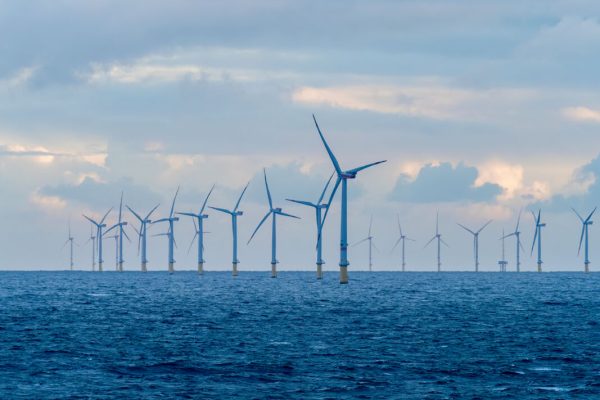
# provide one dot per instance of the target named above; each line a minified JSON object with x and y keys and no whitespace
{"x":481,"y":109}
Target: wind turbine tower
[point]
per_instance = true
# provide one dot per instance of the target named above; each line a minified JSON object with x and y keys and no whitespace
{"x":199,"y":227}
{"x":517,"y":235}
{"x":503,"y":263}
{"x":235,"y":213}
{"x":119,"y":225}
{"x":92,"y":240}
{"x":70,"y":242}
{"x":371,"y":244}
{"x":585,"y":236}
{"x":318,"y":206}
{"x":402,"y":239}
{"x":538,"y":237}
{"x":273,"y":212}
{"x":171,"y":233}
{"x":143,"y":235}
{"x":475,"y":242}
{"x":342,"y":177}
{"x":100,"y":226}
{"x":440,"y":241}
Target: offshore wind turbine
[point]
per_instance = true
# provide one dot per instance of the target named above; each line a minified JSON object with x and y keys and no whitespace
{"x":171,"y":233}
{"x":342,"y":177}
{"x":502,"y":263}
{"x":100,"y":226}
{"x":119,"y":225}
{"x":476,"y":241}
{"x":92,"y":239}
{"x":318,"y":206}
{"x":234,"y":216}
{"x":585,"y":235}
{"x":199,"y":228}
{"x":70,"y":242}
{"x":402,"y":239}
{"x":371,"y":245}
{"x":517,"y":235}
{"x":538,"y":236}
{"x":116,"y":237}
{"x":273,"y":212}
{"x":438,"y":236}
{"x":143,"y":234}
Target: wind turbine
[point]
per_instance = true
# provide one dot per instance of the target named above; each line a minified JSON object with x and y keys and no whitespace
{"x":93,"y":240}
{"x":538,"y":236}
{"x":234,"y":215}
{"x":476,"y":241}
{"x":143,"y":234}
{"x":99,"y":225}
{"x":402,"y":239}
{"x":585,"y":234}
{"x":199,"y":228}
{"x":120,"y":224}
{"x":318,"y":206}
{"x":437,"y":236}
{"x":116,"y":237}
{"x":371,"y":245}
{"x":70,"y":242}
{"x":342,"y":177}
{"x":171,"y":233}
{"x":503,"y":263}
{"x":274,"y":212}
{"x":517,"y":235}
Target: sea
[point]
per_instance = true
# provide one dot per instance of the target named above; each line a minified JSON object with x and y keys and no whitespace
{"x":385,"y":335}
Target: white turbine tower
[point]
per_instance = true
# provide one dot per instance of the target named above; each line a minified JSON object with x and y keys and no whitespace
{"x":476,"y":242}
{"x":502,"y":263}
{"x":585,"y":236}
{"x":517,"y":235}
{"x":402,"y":239}
{"x":440,"y":241}
{"x":369,"y":238}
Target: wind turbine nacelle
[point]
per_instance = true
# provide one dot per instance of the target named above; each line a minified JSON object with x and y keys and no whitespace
{"x":148,"y":221}
{"x":542,"y":225}
{"x":175,"y":219}
{"x":239,"y":213}
{"x":277,"y":210}
{"x":204,"y":216}
{"x":102,"y":226}
{"x":590,"y":222}
{"x":123,"y":223}
{"x":347,"y":175}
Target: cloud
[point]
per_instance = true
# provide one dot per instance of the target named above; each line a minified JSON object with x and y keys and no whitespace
{"x":444,"y":183}
{"x":581,"y":114}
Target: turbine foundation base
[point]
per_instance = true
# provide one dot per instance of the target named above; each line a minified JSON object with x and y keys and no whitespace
{"x":200,"y":268}
{"x":171,"y":269}
{"x":99,"y":267}
{"x":319,"y":271}
{"x":144,"y":268}
{"x":587,"y":267}
{"x":273,"y":270}
{"x":343,"y":275}
{"x":539,"y":267}
{"x":403,"y":267}
{"x":120,"y":267}
{"x":234,"y":271}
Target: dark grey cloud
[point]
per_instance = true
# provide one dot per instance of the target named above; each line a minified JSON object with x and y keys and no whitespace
{"x":444,"y":183}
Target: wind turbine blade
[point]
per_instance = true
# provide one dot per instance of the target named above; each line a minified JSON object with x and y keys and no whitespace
{"x":111,"y":228}
{"x":437,"y":222}
{"x":521,"y":246}
{"x":188,"y":214}
{"x":335,"y":188}
{"x":136,"y":231}
{"x":539,"y":217}
{"x":268,"y":191}
{"x":484,"y":226}
{"x":444,"y":243}
{"x":535,"y":235}
{"x":396,"y":245}
{"x":121,"y":207}
{"x":590,"y":216}
{"x":64,"y":244}
{"x":195,"y":226}
{"x":160,"y":220}
{"x":334,"y":161}
{"x":509,"y":235}
{"x":127,"y":236}
{"x":105,"y":215}
{"x":578,"y":216}
{"x":431,"y":240}
{"x":259,"y":225}
{"x":134,"y":213}
{"x":370,"y":225}
{"x":306,"y":203}
{"x":407,"y":238}
{"x":375,"y":246}
{"x":359,"y":242}
{"x":173,"y":204}
{"x":287,"y":215}
{"x":91,"y":220}
{"x":206,"y":199}
{"x":399,"y":226}
{"x":466,"y":229}
{"x":192,"y":242}
{"x":358,"y":169}
{"x":240,"y":199}
{"x":581,"y":239}
{"x":325,"y":189}
{"x":151,"y":211}
{"x":222,"y":210}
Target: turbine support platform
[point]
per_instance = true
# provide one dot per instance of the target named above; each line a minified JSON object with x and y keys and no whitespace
{"x":587,"y":267}
{"x":171,"y":269}
{"x":144,"y":268}
{"x":319,"y":271}
{"x":99,"y":267}
{"x":539,"y":267}
{"x":343,"y":275}
{"x":273,"y":270}
{"x":234,"y":271}
{"x":200,"y":268}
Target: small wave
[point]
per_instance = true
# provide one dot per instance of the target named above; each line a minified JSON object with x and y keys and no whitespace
{"x":544,"y":369}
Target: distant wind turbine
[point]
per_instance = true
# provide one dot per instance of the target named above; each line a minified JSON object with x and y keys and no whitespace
{"x":517,"y":235}
{"x":171,"y":233}
{"x":119,"y":225}
{"x":476,"y":242}
{"x":502,"y":263}
{"x":437,"y":236}
{"x":402,"y":239}
{"x":342,"y":177}
{"x":92,"y":239}
{"x":234,"y":215}
{"x":318,"y":206}
{"x":538,"y":237}
{"x":369,"y":238}
{"x":116,"y":237}
{"x":143,"y":235}
{"x":100,"y":226}
{"x":199,"y":228}
{"x":273,"y":212}
{"x":70,"y":241}
{"x":585,"y":235}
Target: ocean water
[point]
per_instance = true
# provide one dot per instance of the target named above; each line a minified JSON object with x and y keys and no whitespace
{"x":385,"y":335}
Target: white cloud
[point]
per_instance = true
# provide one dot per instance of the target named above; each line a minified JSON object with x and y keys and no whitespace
{"x":581,"y":114}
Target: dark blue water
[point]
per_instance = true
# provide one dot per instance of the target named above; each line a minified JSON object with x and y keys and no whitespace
{"x":386,"y":335}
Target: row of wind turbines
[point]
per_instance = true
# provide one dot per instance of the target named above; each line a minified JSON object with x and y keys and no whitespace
{"x":321,"y":210}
